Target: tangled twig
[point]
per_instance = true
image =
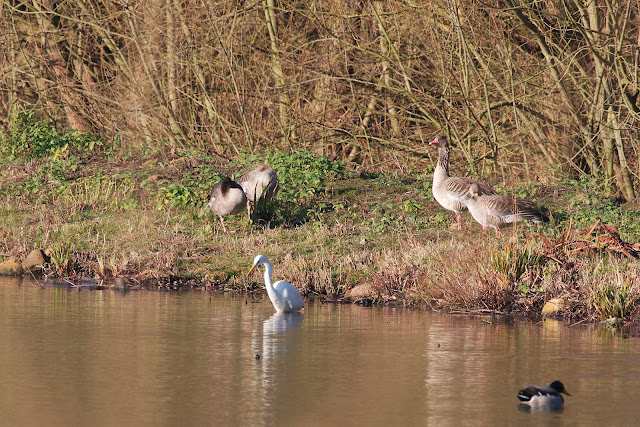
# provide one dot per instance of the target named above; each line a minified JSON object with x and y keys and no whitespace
{"x":600,"y":237}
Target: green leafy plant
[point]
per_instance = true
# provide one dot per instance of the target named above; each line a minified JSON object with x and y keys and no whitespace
{"x":28,"y":137}
{"x":411,"y":206}
{"x":62,"y":259}
{"x":440,"y":219}
{"x":61,"y":169}
{"x":177,"y":195}
{"x":591,"y":200}
{"x":383,"y":217}
{"x":200,"y":180}
{"x":301,"y":176}
{"x":525,"y":190}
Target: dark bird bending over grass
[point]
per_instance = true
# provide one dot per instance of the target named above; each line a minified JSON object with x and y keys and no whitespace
{"x":227,"y":198}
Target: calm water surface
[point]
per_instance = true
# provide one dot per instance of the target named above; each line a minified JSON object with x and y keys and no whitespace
{"x":156,"y":358}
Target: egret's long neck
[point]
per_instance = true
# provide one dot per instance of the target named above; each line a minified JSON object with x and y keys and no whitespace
{"x":268,"y":269}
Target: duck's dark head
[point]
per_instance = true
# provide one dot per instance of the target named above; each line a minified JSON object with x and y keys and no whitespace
{"x":559,"y":387}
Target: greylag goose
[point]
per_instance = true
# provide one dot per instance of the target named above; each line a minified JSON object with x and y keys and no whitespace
{"x":452,"y":192}
{"x":283,"y":295}
{"x":227,"y":198}
{"x":542,"y":395}
{"x":259,"y":181}
{"x":492,"y":210}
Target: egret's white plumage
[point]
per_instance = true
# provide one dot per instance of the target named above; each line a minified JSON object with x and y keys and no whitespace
{"x":283,"y":295}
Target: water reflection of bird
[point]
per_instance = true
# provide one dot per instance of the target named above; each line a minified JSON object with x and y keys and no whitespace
{"x":276,"y":335}
{"x":227,"y":198}
{"x":284,"y":296}
{"x":276,"y":343}
{"x":452,"y":192}
{"x":261,"y":181}
{"x":280,"y":322}
{"x":536,"y":395}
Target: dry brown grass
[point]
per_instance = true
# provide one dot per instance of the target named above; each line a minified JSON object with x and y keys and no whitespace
{"x":446,"y":270}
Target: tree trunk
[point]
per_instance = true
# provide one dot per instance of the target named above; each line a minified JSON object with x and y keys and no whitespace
{"x":72,"y":102}
{"x":284,"y":103}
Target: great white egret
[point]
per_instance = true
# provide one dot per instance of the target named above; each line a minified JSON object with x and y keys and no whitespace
{"x":495,"y":211}
{"x":262,"y":179}
{"x":227,"y":198}
{"x":284,"y":296}
{"x":542,"y":395}
{"x":452,"y":192}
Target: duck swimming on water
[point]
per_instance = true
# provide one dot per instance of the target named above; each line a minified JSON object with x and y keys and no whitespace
{"x":542,"y":395}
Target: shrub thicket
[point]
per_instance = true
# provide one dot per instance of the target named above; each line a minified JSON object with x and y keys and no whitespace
{"x":532,"y":90}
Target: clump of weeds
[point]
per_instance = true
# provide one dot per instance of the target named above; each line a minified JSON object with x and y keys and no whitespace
{"x":616,"y":298}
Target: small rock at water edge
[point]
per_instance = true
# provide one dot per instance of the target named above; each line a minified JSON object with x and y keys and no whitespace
{"x":360,"y":291}
{"x":552,"y":306}
{"x":34,"y":261}
{"x":11,"y":267}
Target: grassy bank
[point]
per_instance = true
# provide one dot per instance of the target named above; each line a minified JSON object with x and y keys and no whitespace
{"x":373,"y":237}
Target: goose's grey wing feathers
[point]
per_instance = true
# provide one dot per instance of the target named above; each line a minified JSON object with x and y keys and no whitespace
{"x":510,"y":209}
{"x":483,"y":188}
{"x":457,"y":188}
